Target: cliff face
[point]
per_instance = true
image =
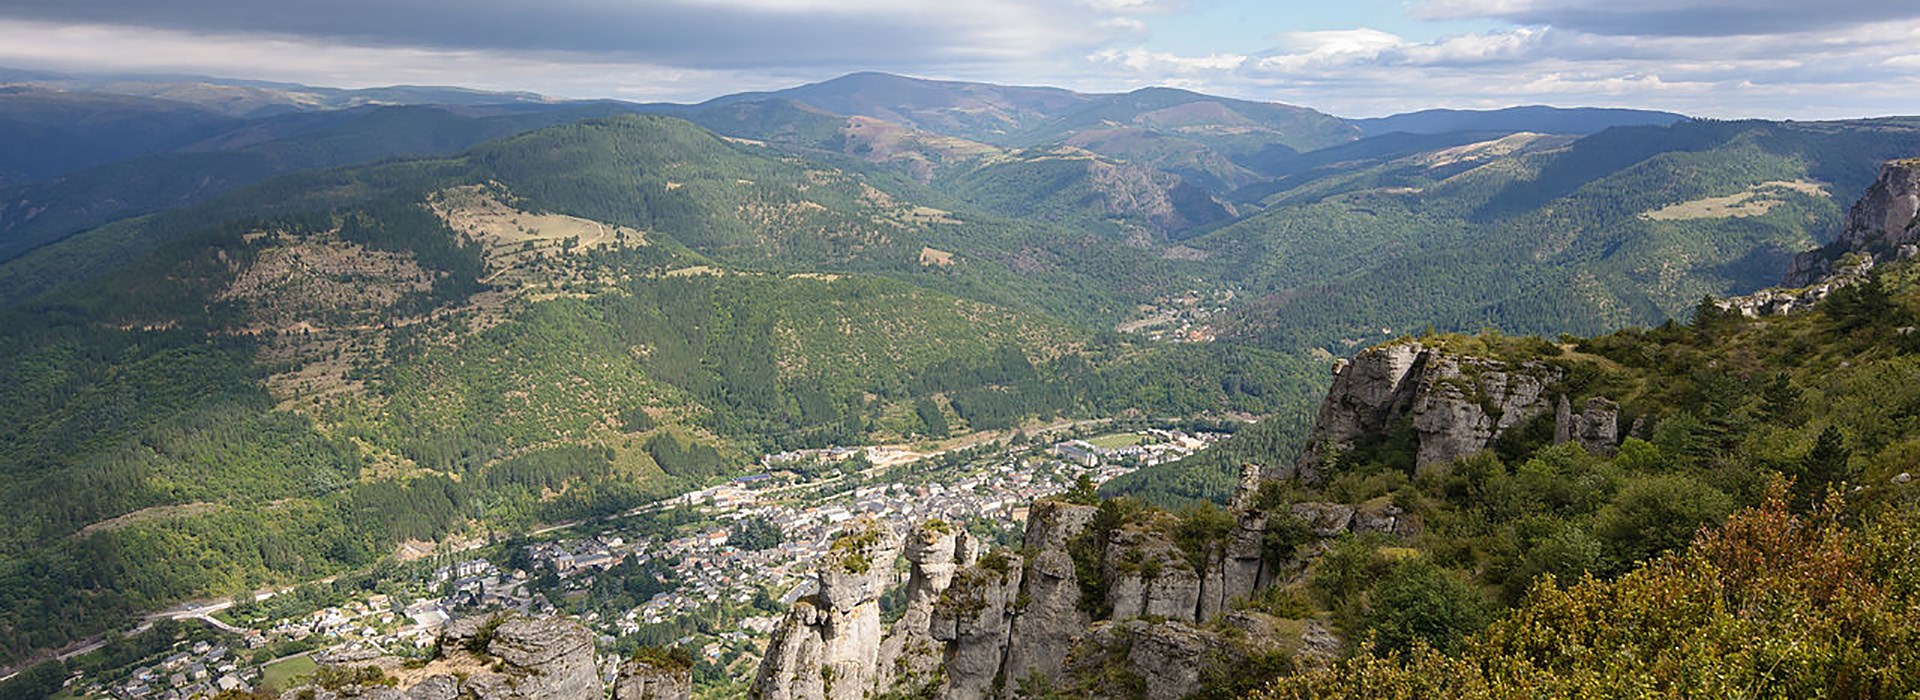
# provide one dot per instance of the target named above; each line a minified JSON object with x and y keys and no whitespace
{"x":1454,"y":405}
{"x":983,"y":626}
{"x":909,"y":654}
{"x":1886,"y":216}
{"x":829,"y":644}
{"x":1885,"y":222}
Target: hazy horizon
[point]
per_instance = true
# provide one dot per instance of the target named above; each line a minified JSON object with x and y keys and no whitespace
{"x":1710,"y":58}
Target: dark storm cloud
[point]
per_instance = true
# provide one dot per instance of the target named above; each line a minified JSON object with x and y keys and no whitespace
{"x":1707,"y":18}
{"x":733,"y":34}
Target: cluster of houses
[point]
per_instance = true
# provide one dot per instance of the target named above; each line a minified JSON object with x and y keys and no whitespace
{"x":824,"y":455}
{"x":202,"y":670}
{"x":569,"y":558}
{"x":1157,"y":447}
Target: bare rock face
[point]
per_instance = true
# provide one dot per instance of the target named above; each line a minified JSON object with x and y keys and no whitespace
{"x":1134,"y":658}
{"x":1463,"y":403}
{"x":828,"y":646}
{"x":1368,"y":393}
{"x":435,"y":688}
{"x":1051,"y":617}
{"x":641,"y":680}
{"x":909,"y":655}
{"x":1455,"y":405}
{"x":1324,"y":519}
{"x":544,"y":659}
{"x":548,"y":658}
{"x":1888,"y":215}
{"x":1165,"y":659}
{"x":974,"y":619}
{"x":1596,"y":427}
{"x":1241,"y":568}
{"x":1885,"y":222}
{"x":1812,"y":278}
{"x":1147,"y":575}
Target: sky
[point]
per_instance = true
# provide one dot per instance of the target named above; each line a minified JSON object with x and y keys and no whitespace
{"x":1799,"y":59}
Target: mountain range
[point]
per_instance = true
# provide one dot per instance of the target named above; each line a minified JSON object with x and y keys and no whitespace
{"x":257,"y":333}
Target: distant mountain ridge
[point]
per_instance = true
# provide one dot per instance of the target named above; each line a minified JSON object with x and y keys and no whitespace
{"x":1534,"y":118}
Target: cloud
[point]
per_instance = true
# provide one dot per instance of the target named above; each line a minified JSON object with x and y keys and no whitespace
{"x":1677,"y":17}
{"x":1706,"y":57}
{"x":1831,"y":73}
{"x":76,"y":47}
{"x":1149,"y":61}
{"x":708,"y":34}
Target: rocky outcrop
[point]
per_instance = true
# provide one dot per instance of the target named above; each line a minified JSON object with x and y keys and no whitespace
{"x":435,"y":688}
{"x":1050,"y":613}
{"x":648,"y":680}
{"x":1454,"y":405}
{"x":974,"y":619}
{"x":1135,"y":658}
{"x":1148,"y":575}
{"x":1369,"y":392}
{"x":526,"y":658}
{"x":1010,"y":618}
{"x":1884,"y":223}
{"x":1166,"y":660}
{"x":1168,"y":609}
{"x":540,"y":658}
{"x":829,"y":644}
{"x":909,"y":655}
{"x":1809,"y":282}
{"x":1888,"y":215}
{"x":1596,"y":427}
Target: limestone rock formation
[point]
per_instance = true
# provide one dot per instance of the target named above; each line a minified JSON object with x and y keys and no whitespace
{"x":435,"y":688}
{"x":528,"y":658}
{"x":1049,"y":612}
{"x":541,"y":659}
{"x":829,"y":644}
{"x":643,"y":680}
{"x":1368,"y":393}
{"x":1148,"y":575}
{"x":1170,"y":606}
{"x":909,"y":655}
{"x":974,"y":619}
{"x":1811,"y":279}
{"x":1166,"y":660}
{"x":1596,"y":427}
{"x":1888,"y":215}
{"x":1454,"y":405}
{"x":1885,"y":222}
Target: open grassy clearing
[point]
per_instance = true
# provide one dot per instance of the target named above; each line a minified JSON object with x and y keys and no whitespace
{"x":1116,"y":440}
{"x":1756,"y":201}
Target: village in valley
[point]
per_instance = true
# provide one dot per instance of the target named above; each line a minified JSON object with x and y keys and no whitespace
{"x":710,"y":571}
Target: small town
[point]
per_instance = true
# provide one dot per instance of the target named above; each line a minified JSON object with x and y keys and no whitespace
{"x":741,"y":551}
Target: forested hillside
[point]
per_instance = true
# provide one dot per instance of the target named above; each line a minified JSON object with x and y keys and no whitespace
{"x":1630,"y":225}
{"x":40,"y":211}
{"x":287,"y":381}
